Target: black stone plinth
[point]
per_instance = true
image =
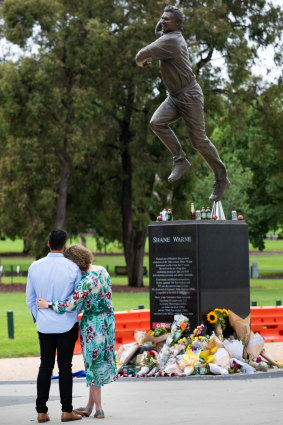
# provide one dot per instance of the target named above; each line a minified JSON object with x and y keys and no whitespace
{"x":196,"y":266}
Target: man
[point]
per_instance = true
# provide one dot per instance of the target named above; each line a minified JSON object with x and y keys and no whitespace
{"x":185,"y":99}
{"x":54,"y":277}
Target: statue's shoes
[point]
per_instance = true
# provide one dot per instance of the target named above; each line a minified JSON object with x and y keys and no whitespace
{"x":179,"y":167}
{"x":219,"y":188}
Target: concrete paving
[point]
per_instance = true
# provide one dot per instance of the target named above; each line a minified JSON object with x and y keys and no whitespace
{"x":234,"y":400}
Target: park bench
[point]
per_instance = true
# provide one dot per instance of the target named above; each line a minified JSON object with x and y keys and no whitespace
{"x":122,"y":271}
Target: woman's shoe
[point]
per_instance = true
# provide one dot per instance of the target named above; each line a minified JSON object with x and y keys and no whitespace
{"x":83,"y":411}
{"x":99,"y":414}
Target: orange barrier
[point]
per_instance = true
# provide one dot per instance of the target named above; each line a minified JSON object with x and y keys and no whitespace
{"x":127,"y":322}
{"x":267,"y":321}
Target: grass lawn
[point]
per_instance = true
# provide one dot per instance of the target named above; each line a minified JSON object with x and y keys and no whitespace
{"x":270,"y":245}
{"x":107,"y":261}
{"x":266,"y":291}
{"x":17,"y":245}
{"x":268,"y":263}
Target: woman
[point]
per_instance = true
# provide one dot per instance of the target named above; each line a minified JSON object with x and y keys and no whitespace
{"x":97,"y":326}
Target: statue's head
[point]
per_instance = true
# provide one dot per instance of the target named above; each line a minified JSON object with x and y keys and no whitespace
{"x":172,"y":19}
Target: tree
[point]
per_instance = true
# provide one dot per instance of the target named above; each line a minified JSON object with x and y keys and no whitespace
{"x":257,"y":146}
{"x":91,"y":107}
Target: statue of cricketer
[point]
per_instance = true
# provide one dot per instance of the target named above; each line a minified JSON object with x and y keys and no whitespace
{"x":185,"y":99}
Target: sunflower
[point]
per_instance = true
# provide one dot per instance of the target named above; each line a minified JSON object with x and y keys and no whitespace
{"x":218,"y":309}
{"x":226,"y":312}
{"x":212,"y":317}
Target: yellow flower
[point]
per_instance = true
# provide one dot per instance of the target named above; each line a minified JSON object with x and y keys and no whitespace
{"x":225,"y":311}
{"x":204,"y":355}
{"x":210,"y":359}
{"x":218,"y":309}
{"x":213,"y":350}
{"x":212,"y":317}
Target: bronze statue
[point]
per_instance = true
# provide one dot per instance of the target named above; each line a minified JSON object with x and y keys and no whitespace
{"x":185,"y":99}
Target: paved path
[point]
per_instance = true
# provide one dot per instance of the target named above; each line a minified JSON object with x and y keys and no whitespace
{"x":234,"y":400}
{"x":251,"y":400}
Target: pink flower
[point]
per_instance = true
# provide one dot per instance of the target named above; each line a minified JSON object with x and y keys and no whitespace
{"x":76,"y":295}
{"x":108,"y":295}
{"x":94,"y":354}
{"x":109,"y":348}
{"x":84,"y":294}
{"x":259,"y":359}
{"x":89,"y":329}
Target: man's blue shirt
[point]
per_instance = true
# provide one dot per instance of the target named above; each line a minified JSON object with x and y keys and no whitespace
{"x":53,"y":278}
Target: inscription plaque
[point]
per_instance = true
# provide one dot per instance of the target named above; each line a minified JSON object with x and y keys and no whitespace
{"x":173,"y":274}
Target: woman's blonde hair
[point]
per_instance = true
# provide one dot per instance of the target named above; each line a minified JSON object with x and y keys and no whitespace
{"x":79,"y":255}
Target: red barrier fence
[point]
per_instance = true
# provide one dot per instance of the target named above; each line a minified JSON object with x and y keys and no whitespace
{"x":267,"y":321}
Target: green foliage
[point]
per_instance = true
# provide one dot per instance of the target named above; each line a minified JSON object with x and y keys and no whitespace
{"x":255,"y":144}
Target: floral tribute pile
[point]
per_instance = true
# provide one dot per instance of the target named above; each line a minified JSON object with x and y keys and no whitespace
{"x":223,"y":344}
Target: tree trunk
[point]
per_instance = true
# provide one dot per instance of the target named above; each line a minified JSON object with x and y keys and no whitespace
{"x":135,"y":269}
{"x":83,"y":239}
{"x":61,"y":206}
{"x":133,"y":244}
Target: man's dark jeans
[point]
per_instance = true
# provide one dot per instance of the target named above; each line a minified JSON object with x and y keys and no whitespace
{"x":64,"y":343}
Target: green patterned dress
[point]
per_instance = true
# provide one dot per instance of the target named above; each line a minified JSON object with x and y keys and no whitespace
{"x":97,"y":326}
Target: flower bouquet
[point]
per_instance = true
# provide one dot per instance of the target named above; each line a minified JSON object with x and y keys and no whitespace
{"x":179,"y":326}
{"x":217,"y":318}
{"x":157,"y":336}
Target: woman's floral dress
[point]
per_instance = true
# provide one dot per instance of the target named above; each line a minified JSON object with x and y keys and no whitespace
{"x":97,"y":326}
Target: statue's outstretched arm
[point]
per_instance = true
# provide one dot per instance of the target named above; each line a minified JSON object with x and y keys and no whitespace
{"x":141,"y":58}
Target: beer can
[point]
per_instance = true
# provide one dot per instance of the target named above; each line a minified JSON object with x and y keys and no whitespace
{"x":125,"y":371}
{"x":234,"y":215}
{"x":198,"y":215}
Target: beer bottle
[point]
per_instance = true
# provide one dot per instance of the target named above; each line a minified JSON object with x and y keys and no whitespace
{"x":203,"y":213}
{"x":208,"y":213}
{"x":193,"y":213}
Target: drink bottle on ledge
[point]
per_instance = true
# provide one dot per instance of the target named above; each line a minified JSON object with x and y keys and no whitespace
{"x":193,"y":213}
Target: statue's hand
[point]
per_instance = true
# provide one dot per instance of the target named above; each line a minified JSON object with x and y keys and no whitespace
{"x":146,"y":63}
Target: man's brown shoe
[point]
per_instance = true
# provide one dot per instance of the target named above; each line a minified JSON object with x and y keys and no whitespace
{"x":42,"y":417}
{"x":70,"y":416}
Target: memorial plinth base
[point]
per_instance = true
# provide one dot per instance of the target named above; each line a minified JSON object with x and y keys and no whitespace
{"x":196,"y":266}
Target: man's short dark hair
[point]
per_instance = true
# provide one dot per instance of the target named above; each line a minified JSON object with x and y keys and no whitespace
{"x":177,"y":13}
{"x":57,"y":239}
